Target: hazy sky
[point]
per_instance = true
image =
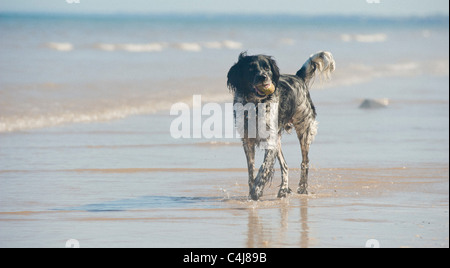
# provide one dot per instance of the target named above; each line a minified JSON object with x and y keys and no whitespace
{"x":311,"y":7}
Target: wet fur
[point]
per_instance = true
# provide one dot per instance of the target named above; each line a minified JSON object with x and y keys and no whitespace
{"x":295,"y":110}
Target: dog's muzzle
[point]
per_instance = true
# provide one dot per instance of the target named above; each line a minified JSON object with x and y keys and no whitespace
{"x":264,"y":89}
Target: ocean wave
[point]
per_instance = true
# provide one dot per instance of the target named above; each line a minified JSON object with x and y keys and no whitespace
{"x":130,"y":47}
{"x":60,"y":46}
{"x":152,"y":47}
{"x":364,"y":38}
{"x":357,"y":73}
{"x":26,"y":122}
{"x":232,"y":44}
{"x":228,"y":44}
{"x":195,"y":47}
{"x":142,"y":47}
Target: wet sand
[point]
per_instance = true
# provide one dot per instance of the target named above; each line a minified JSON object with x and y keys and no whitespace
{"x":400,"y":207}
{"x":103,"y":196}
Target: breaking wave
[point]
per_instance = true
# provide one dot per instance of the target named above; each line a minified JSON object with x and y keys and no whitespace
{"x":357,"y":73}
{"x":151,"y":47}
{"x":364,"y":38}
{"x":60,"y":46}
{"x":27,"y":122}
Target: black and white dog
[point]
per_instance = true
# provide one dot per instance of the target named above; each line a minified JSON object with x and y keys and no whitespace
{"x":257,"y":80}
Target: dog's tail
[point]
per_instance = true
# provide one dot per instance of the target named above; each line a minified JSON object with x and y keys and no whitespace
{"x":321,"y":63}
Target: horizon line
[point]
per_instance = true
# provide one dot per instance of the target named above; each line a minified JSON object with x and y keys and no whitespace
{"x":222,"y":14}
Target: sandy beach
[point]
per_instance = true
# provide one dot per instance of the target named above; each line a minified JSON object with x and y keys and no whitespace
{"x":113,"y":196}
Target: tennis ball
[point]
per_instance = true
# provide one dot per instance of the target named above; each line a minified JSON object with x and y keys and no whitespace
{"x":266,"y":90}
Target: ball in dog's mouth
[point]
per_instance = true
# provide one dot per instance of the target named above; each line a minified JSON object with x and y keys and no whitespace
{"x":265,"y":89}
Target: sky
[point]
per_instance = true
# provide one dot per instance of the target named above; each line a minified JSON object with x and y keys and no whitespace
{"x":301,"y":7}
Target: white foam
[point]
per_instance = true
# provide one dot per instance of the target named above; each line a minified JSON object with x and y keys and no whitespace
{"x":132,"y":47}
{"x":232,"y":44}
{"x":346,"y":37}
{"x":194,"y":47}
{"x":26,"y":122}
{"x":60,"y":46}
{"x":364,"y":38}
{"x":151,"y":47}
{"x":228,"y":44}
{"x":361,"y":73}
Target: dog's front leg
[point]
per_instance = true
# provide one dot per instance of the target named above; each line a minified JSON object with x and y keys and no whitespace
{"x":249,"y":149}
{"x":265,"y":173}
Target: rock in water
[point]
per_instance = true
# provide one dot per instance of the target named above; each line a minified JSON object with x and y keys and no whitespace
{"x":374,"y":103}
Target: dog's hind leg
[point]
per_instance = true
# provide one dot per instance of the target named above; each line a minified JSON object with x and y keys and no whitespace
{"x":249,"y":149}
{"x":303,"y":185}
{"x":305,"y":136}
{"x":284,"y":187}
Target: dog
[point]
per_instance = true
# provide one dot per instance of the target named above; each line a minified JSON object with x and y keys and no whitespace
{"x":257,"y":80}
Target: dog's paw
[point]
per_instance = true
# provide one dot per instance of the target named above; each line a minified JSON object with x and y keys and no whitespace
{"x":284,"y":192}
{"x":302,"y":190}
{"x":256,"y":193}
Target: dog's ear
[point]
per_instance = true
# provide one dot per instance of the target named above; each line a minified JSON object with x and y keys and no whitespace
{"x":275,"y":71}
{"x":235,"y":74}
{"x":234,"y":77}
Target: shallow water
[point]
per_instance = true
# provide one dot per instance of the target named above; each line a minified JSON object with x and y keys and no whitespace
{"x":60,"y":185}
{"x":402,"y":207}
{"x":74,"y":69}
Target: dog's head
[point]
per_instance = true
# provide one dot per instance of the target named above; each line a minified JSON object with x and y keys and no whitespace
{"x":256,"y":75}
